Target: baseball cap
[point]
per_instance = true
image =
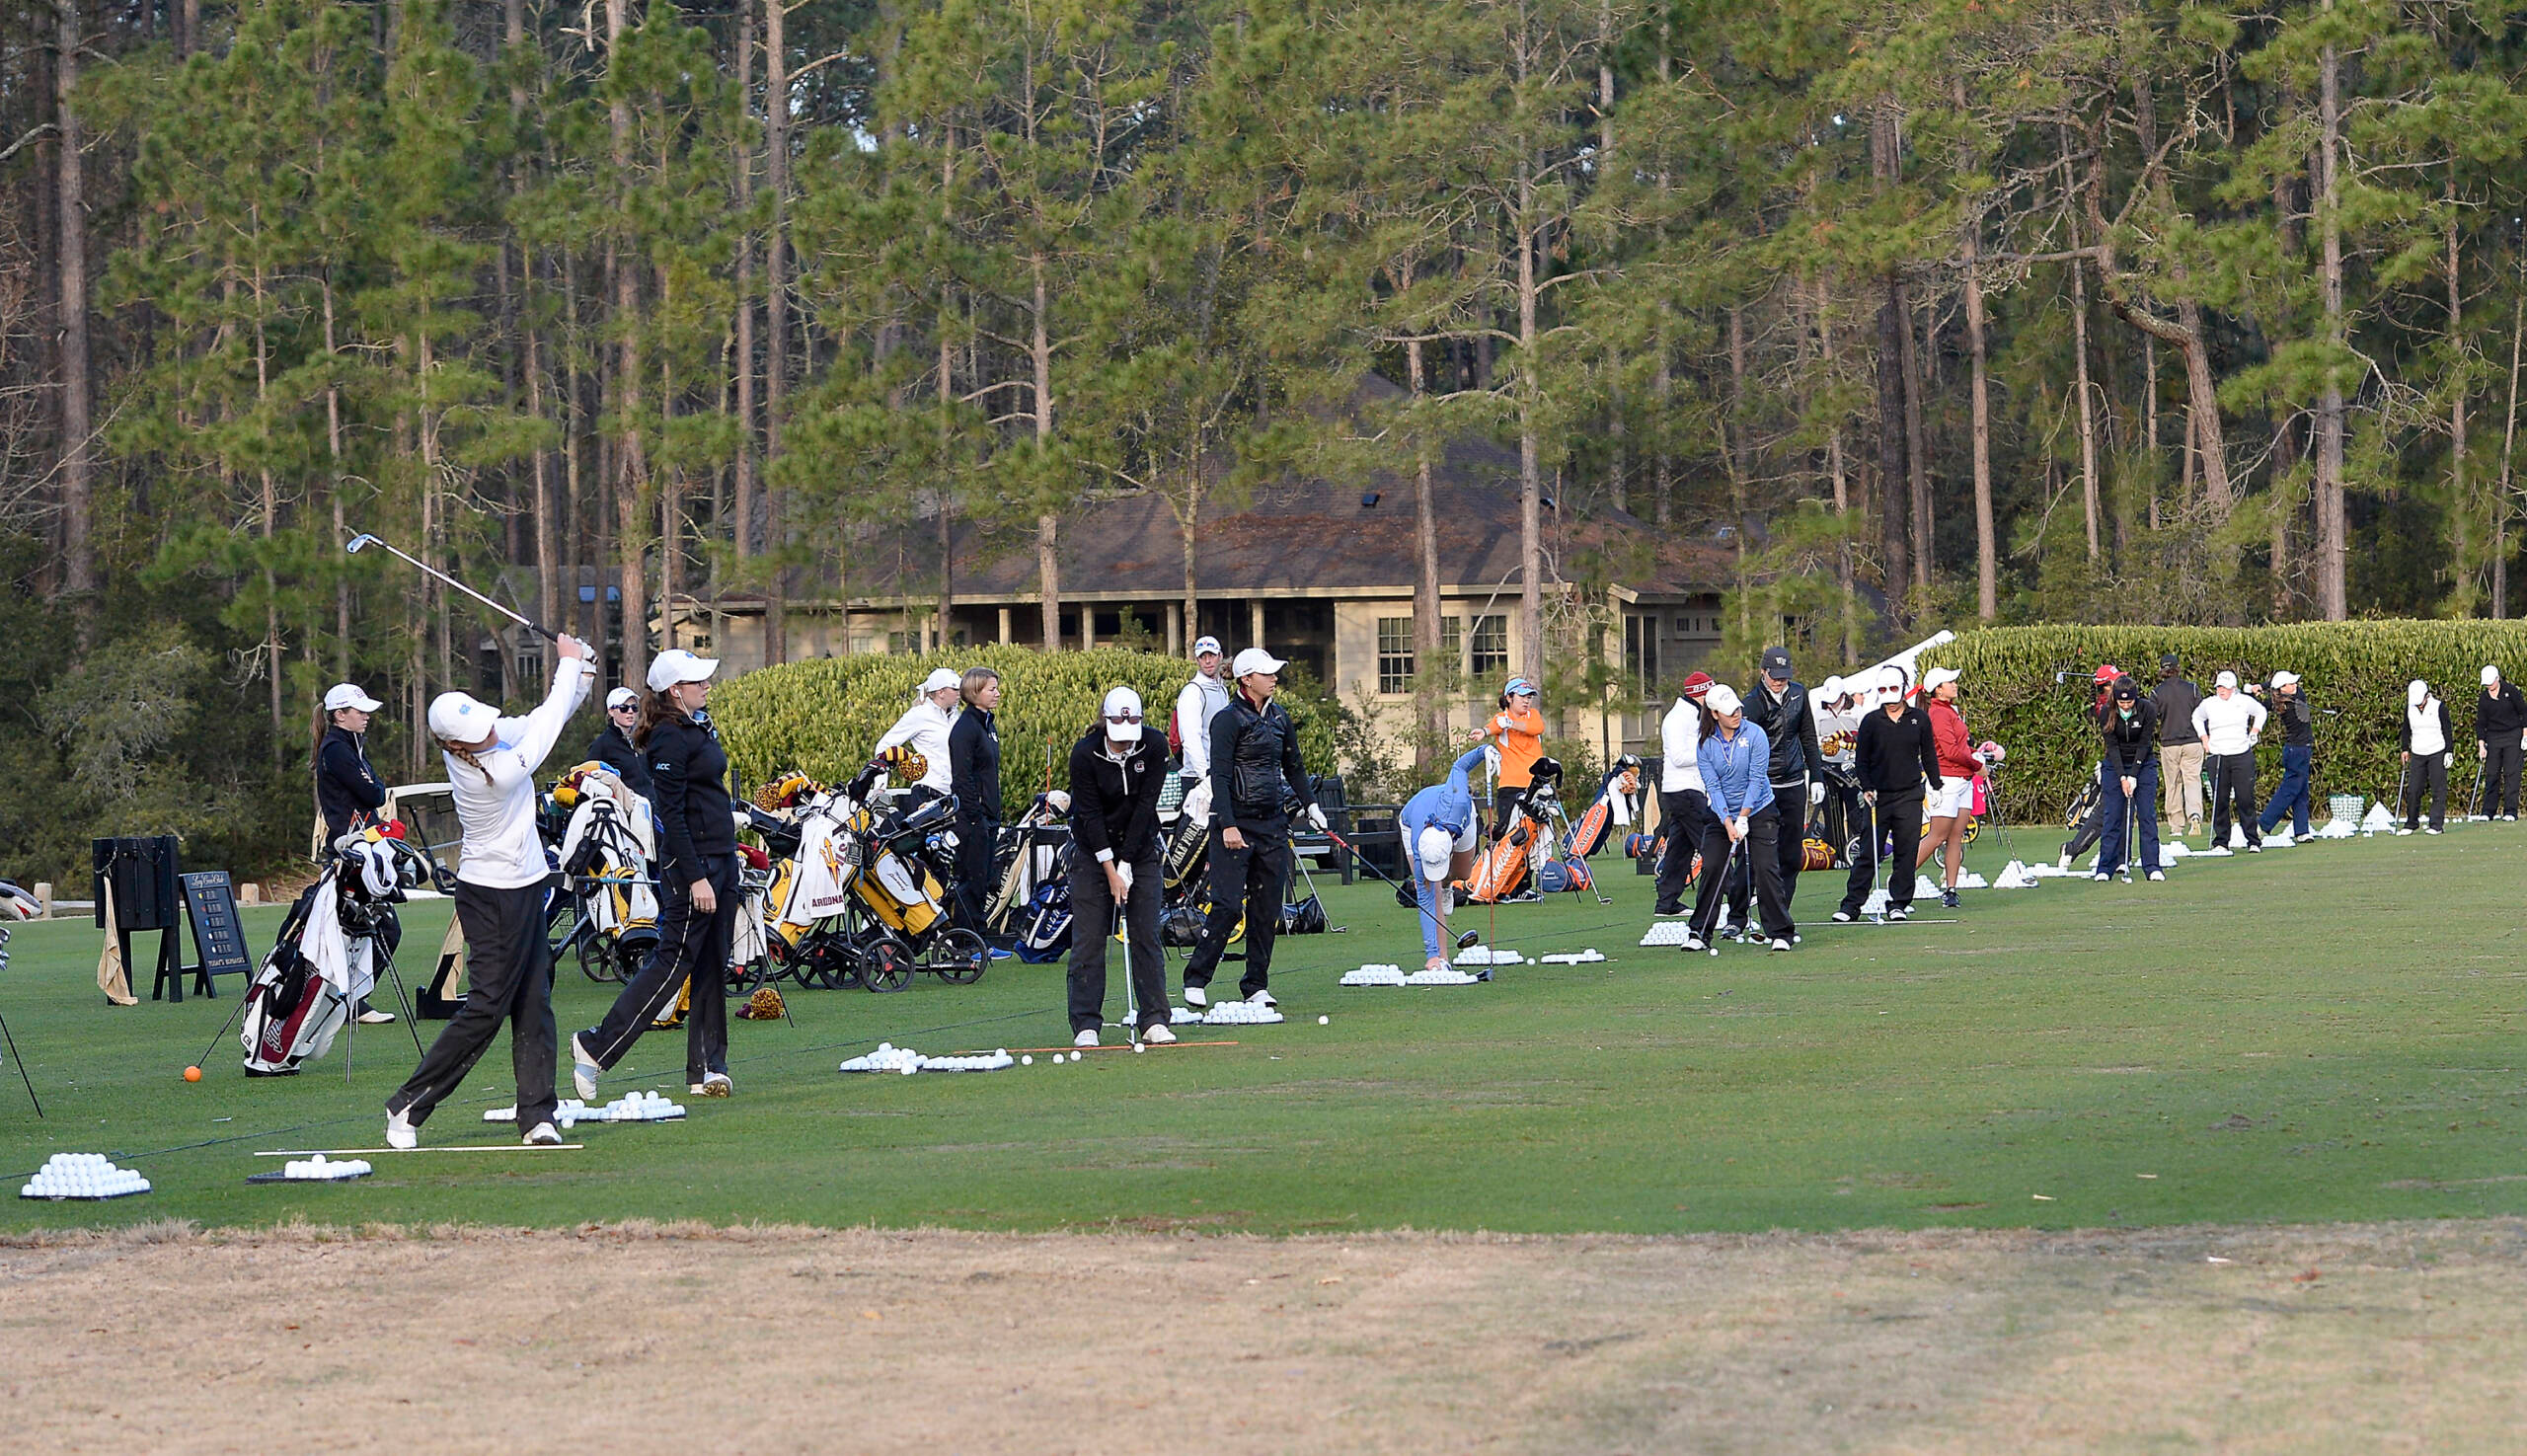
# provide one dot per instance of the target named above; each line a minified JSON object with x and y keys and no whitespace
{"x":348,"y":694}
{"x":1932,"y":679}
{"x":1890,"y":678}
{"x":1698,"y":684}
{"x":2285,"y":679}
{"x":675,"y":665}
{"x":1432,"y":849}
{"x":1121,"y":703}
{"x":461,"y":717}
{"x":1203,"y":644}
{"x":1255,"y":659}
{"x":2415,"y":691}
{"x":940,"y":677}
{"x":1518,"y":687}
{"x":2126,"y":690}
{"x":2107,"y":672}
{"x":1831,"y":688}
{"x":2491,"y":674}
{"x":620,"y":698}
{"x":2225,"y":680}
{"x":1723,"y":699}
{"x":2166,"y":661}
{"x":1775,"y":662}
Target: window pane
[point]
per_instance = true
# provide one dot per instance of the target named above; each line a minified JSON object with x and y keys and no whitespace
{"x":1394,"y":654}
{"x":1491,"y":653}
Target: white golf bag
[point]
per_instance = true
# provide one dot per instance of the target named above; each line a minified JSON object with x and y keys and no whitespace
{"x":323,"y":962}
{"x":609,"y":845}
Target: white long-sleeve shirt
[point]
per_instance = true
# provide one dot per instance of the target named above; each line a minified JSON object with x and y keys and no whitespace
{"x":925,"y":727}
{"x":501,"y":848}
{"x":1195,"y":704}
{"x":2228,"y":724}
{"x":1679,"y":743}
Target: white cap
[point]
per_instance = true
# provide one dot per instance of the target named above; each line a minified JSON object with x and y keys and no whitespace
{"x":2415,"y":691}
{"x":1431,"y":848}
{"x":2285,"y":679}
{"x":1255,"y":659}
{"x":1933,"y":680}
{"x":1121,"y":701}
{"x":620,"y":698}
{"x":1723,"y":700}
{"x":676,"y":665}
{"x":1890,"y":678}
{"x":2225,"y":680}
{"x":348,"y":694}
{"x":1830,"y":689}
{"x":940,"y":677}
{"x":459,"y":717}
{"x":1203,"y":644}
{"x":2491,"y":674}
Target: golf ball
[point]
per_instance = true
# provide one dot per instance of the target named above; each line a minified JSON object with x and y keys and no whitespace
{"x":1026,"y":1062}
{"x":1074,"y":1056}
{"x":1325,"y":1020}
{"x":1137,"y":1048}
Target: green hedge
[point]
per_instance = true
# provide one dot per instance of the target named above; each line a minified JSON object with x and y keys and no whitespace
{"x":2355,"y":669}
{"x":823,"y":717}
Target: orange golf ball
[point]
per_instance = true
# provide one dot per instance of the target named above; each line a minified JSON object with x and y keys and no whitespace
{"x":193,"y":1074}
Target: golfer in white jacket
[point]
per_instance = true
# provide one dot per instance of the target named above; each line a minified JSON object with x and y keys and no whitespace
{"x":2229,"y":722}
{"x":1683,"y":809}
{"x":924,"y":727}
{"x":1196,"y":702}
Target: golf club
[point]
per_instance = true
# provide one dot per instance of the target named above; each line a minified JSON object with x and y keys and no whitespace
{"x":2404,"y":770}
{"x":1362,"y":859}
{"x":2474,"y":802}
{"x":1718,"y":898}
{"x":362,"y":541}
{"x":12,"y":1041}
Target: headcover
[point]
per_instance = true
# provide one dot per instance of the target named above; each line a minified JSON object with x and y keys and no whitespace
{"x":904,"y":762}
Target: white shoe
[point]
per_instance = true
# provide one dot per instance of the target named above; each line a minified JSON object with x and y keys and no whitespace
{"x":401,"y":1134}
{"x":1780,"y":945}
{"x":583,"y":1071}
{"x":713,"y":1084}
{"x":1085,"y":1038}
{"x":1158,"y":1036}
{"x":376,"y":1018}
{"x":1842,"y":917}
{"x":2425,"y":831}
{"x":1197,"y":998}
{"x":2158,"y":875}
{"x":2101,"y":876}
{"x":543,"y":1135}
{"x":1696,"y":944}
{"x":2255,"y":849}
{"x":1899,"y":912}
{"x":2401,"y":833}
{"x":1262,"y":998}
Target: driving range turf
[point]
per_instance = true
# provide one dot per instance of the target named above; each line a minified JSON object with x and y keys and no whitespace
{"x":2322,"y":1033}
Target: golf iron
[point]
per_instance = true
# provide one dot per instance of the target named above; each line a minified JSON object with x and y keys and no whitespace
{"x":361,"y":542}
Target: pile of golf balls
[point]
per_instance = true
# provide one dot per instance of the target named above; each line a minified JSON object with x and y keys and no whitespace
{"x":83,"y":1176}
{"x":651,"y":1106}
{"x":1242,"y":1014}
{"x":982,"y":1061}
{"x":1486,"y":955}
{"x":1570,"y":957}
{"x":1440,"y":978}
{"x":321,"y":1169}
{"x":889,"y":1058}
{"x":1375,"y":975}
{"x":1668,"y":933}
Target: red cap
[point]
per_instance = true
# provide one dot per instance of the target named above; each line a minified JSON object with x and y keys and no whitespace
{"x":2107,"y":673}
{"x":1698,"y":684}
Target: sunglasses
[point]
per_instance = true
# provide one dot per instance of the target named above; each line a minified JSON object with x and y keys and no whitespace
{"x":1123,"y":718}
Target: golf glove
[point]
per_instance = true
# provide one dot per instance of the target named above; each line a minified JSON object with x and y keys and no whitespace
{"x":1816,"y":793}
{"x":1316,"y":817}
{"x":1125,"y":870}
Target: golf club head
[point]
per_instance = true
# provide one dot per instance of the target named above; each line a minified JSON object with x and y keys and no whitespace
{"x":352,"y":546}
{"x":1468,"y":939}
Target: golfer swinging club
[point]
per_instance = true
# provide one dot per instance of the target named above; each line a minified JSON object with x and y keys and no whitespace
{"x":1438,"y":824}
{"x":500,"y":900}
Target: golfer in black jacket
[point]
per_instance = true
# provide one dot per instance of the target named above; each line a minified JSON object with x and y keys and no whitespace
{"x":974,"y":774}
{"x":613,"y":747}
{"x":1893,"y":760}
{"x":2130,"y":729}
{"x":2500,"y":728}
{"x":1115,"y":770}
{"x":1254,"y":768}
{"x":349,"y":795}
{"x":697,"y":886}
{"x":1780,"y":705}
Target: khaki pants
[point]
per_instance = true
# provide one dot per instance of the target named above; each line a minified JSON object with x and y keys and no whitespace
{"x":2181,"y":785}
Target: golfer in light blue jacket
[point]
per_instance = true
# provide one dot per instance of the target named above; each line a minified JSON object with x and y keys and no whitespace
{"x":1736,"y":759}
{"x":1440,"y":836}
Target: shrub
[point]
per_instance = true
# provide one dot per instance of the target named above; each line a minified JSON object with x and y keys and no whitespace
{"x":823,"y":717}
{"x":2353,"y":673}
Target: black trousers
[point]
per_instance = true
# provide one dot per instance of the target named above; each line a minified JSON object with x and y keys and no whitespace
{"x":2427,"y":773}
{"x":977,"y":846}
{"x":1245,"y":880}
{"x":1091,"y":928}
{"x":2233,"y":783}
{"x":1684,"y":815}
{"x":2501,"y":776}
{"x":1899,"y":816}
{"x":1505,"y":808}
{"x":1760,"y":857}
{"x":510,"y":970}
{"x":692,"y":947}
{"x":1789,"y":817}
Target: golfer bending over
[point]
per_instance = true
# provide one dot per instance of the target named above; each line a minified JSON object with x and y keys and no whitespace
{"x":499,"y":901}
{"x":698,"y":895}
{"x":1256,"y":767}
{"x":1115,"y":770}
{"x":1437,"y":826}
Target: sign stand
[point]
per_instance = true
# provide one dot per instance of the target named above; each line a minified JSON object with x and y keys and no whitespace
{"x":219,"y":941}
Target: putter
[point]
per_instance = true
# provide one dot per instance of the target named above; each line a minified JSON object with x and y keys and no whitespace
{"x":362,"y":541}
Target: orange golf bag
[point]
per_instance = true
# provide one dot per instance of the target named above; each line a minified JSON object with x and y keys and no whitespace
{"x":1501,"y":868}
{"x":1613,"y":806}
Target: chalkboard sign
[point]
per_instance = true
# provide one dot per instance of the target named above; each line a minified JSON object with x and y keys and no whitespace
{"x":218,"y":939}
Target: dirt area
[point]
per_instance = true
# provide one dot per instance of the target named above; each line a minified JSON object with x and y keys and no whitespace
{"x":2400,"y":1337}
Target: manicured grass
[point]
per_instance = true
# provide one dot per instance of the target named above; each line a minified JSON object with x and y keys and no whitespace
{"x":2328,"y":1032}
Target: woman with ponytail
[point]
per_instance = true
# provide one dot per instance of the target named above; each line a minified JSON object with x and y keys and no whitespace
{"x":697,"y":885}
{"x":501,"y":879}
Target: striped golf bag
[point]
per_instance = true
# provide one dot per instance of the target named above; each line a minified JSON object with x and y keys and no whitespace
{"x":294,"y":1009}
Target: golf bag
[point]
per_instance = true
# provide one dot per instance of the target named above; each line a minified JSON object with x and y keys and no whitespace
{"x":1612,"y":808}
{"x":606,"y":851}
{"x":1553,"y":876}
{"x":324,"y":961}
{"x":2085,"y":816}
{"x":1501,"y":868}
{"x":1028,"y":854}
{"x":1043,"y":931}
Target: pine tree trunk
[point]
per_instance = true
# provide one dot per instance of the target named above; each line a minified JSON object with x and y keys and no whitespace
{"x":1732,"y":446}
{"x":775,"y":318}
{"x":1987,"y":552}
{"x":1429,"y":678}
{"x":1048,"y":565}
{"x":77,"y":413}
{"x":743,"y":538}
{"x":1917,"y":455}
{"x":1893,"y":568}
{"x":2332,"y":554}
{"x":2460,"y":510}
{"x":334,"y":485}
{"x":631,"y":455}
{"x":2508,"y":440}
{"x":2088,"y":411}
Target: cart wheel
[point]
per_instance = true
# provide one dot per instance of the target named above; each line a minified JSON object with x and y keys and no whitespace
{"x":597,"y":961}
{"x":629,"y":958}
{"x":888,"y":963}
{"x":959,"y":956}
